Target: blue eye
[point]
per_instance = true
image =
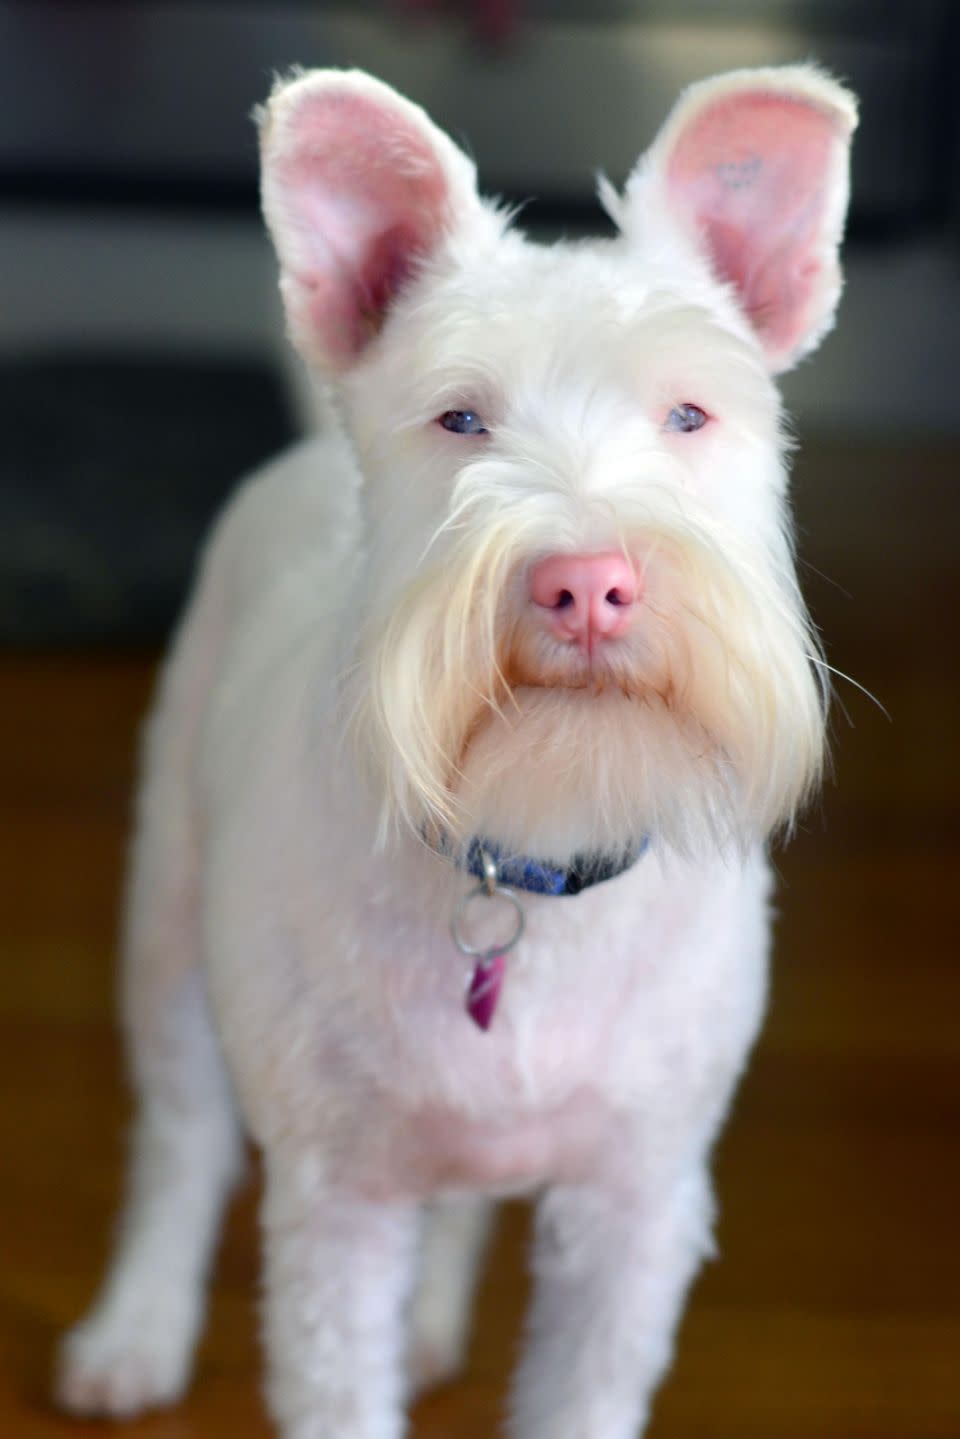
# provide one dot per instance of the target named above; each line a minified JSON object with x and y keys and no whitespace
{"x":463,"y":422}
{"x":684,"y":418}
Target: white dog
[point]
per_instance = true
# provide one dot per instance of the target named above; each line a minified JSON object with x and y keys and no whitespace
{"x":449,"y":875}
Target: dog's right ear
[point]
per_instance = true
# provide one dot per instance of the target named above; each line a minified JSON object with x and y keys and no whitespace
{"x":359,"y":187}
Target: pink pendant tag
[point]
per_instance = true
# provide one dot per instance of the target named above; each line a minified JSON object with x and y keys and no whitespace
{"x":484,"y":992}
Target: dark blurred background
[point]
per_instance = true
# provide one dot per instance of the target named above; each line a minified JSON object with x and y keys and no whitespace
{"x":143,"y":368}
{"x":142,"y":362}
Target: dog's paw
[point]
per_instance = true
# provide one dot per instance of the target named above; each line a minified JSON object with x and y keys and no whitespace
{"x":119,"y":1371}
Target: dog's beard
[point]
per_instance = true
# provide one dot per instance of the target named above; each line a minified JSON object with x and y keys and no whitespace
{"x":703,"y":728}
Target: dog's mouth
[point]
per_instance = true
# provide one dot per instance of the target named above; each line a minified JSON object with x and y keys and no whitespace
{"x":526,"y":662}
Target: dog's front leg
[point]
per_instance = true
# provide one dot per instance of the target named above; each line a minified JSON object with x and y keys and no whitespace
{"x":611,"y":1272}
{"x":339,"y":1270}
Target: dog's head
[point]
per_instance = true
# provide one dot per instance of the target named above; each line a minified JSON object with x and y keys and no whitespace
{"x":578,"y":621}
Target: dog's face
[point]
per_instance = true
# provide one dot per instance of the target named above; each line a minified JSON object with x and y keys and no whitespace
{"x":579,"y":622}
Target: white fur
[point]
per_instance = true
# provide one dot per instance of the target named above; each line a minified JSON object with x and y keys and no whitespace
{"x":344,"y":684}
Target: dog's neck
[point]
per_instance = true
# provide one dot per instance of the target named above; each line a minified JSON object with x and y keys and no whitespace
{"x":538,"y":876}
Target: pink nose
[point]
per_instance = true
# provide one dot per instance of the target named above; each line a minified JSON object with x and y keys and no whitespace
{"x":586,"y":597}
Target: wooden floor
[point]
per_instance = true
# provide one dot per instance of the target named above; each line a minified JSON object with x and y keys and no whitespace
{"x":834,"y":1309}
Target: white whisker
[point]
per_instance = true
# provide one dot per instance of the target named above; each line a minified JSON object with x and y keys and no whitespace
{"x":822,"y":664}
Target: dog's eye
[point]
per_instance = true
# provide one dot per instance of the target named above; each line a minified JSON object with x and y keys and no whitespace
{"x":463,"y":422}
{"x":684,"y":418}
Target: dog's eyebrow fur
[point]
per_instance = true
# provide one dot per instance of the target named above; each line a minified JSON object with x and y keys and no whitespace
{"x":665,"y":337}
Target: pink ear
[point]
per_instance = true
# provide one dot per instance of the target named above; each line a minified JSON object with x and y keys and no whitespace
{"x":358,"y":188}
{"x":757,"y":164}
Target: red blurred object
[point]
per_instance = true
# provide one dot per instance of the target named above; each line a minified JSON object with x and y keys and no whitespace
{"x":493,"y":21}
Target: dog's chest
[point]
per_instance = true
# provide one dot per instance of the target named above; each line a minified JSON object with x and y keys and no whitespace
{"x":639,"y":996}
{"x":610,"y":1007}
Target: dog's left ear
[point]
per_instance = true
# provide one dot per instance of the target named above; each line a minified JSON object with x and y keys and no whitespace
{"x":359,"y":188}
{"x":755,"y":167}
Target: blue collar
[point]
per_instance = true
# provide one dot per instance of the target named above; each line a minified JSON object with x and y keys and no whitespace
{"x":540,"y":877}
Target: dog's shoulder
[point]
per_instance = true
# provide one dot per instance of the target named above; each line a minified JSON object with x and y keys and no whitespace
{"x":286,"y":537}
{"x":271,"y":576}
{"x":301,"y":507}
